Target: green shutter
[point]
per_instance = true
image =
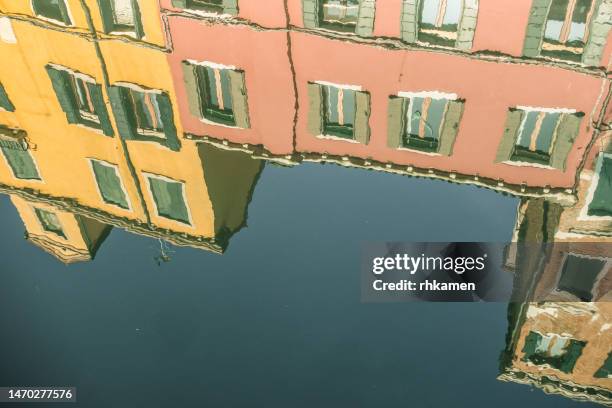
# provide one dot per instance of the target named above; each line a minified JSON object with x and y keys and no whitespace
{"x":63,"y":91}
{"x":315,"y":110}
{"x":179,"y":3}
{"x":598,"y":34}
{"x":239,"y":99}
{"x":192,"y":89}
{"x":568,"y":130}
{"x":506,"y":146}
{"x":535,"y":27}
{"x":574,"y":351}
{"x":138,"y":28}
{"x":123,"y":112}
{"x":454,"y":112}
{"x":310,"y":10}
{"x":365,"y":21}
{"x":97,"y":99}
{"x":5,"y":102}
{"x":396,"y":121}
{"x":168,"y":196}
{"x":601,"y":205}
{"x":109,"y":184}
{"x":167,"y":117}
{"x":362,"y":117}
{"x":531,"y":343}
{"x":21,"y":163}
{"x":230,"y":7}
{"x":106,"y":12}
{"x":606,"y":369}
{"x":410,"y":20}
{"x":467,"y":25}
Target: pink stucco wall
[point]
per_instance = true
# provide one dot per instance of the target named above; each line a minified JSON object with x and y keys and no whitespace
{"x":489,"y":88}
{"x":263,"y":57}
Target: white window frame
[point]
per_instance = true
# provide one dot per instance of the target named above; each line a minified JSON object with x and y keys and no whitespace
{"x":148,"y":176}
{"x":115,"y":167}
{"x":50,"y":20}
{"x":143,"y":132}
{"x":356,"y":88}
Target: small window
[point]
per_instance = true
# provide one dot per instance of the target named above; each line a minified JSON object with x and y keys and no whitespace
{"x":579,"y":276}
{"x":566,"y":32}
{"x":53,"y":10}
{"x":169,"y":197}
{"x":5,"y":102}
{"x":216,"y":93}
{"x":558,"y":352}
{"x":49,"y":222}
{"x":109,"y":183}
{"x":601,"y":204}
{"x":339,"y":112}
{"x":339,"y":15}
{"x":439,"y":21}
{"x":147,"y":114}
{"x":606,"y":369}
{"x":121,"y":16}
{"x":425,"y":118}
{"x":80,"y":98}
{"x":536,"y":137}
{"x":21,"y":162}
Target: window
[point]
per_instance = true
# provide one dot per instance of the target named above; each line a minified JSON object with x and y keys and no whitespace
{"x":424,"y":121}
{"x":5,"y":102}
{"x":20,"y":161}
{"x":169,"y":198}
{"x":601,"y":202}
{"x":559,"y":352}
{"x":144,"y":115}
{"x":339,"y":111}
{"x":52,"y":9}
{"x":121,"y":16}
{"x":350,"y":16}
{"x":448,"y":23}
{"x":579,"y":276}
{"x":49,"y":222}
{"x":606,"y":369}
{"x":80,"y":98}
{"x":566,"y":30}
{"x":109,"y":183}
{"x":539,"y":136}
{"x":213,"y":6}
{"x":217,"y":93}
{"x":439,"y":21}
{"x":341,"y":15}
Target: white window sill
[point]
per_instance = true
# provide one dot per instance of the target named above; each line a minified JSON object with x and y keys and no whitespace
{"x":213,"y":123}
{"x":406,"y":149}
{"x":528,"y":164}
{"x":337,"y":138}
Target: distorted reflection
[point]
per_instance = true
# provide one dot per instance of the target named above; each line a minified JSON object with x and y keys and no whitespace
{"x":159,"y":119}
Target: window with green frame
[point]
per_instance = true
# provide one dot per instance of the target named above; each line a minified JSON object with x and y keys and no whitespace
{"x":566,"y":30}
{"x":49,"y":222}
{"x":53,"y":10}
{"x":215,"y":6}
{"x":601,"y":204}
{"x":579,"y":275}
{"x":339,"y":106}
{"x":339,"y":15}
{"x":439,"y":21}
{"x":121,"y":16}
{"x":109,"y":183}
{"x":81,"y":99}
{"x":215,"y":90}
{"x":559,"y":352}
{"x":169,"y":197}
{"x":5,"y":102}
{"x":20,"y":161}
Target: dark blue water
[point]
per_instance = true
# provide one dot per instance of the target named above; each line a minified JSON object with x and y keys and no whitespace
{"x":275,"y":322}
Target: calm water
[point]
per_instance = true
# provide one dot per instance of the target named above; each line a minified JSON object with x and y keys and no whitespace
{"x":277,"y":320}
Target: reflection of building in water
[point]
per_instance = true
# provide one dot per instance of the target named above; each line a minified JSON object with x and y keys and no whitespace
{"x":67,"y":236}
{"x":562,"y":348}
{"x":78,"y":79}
